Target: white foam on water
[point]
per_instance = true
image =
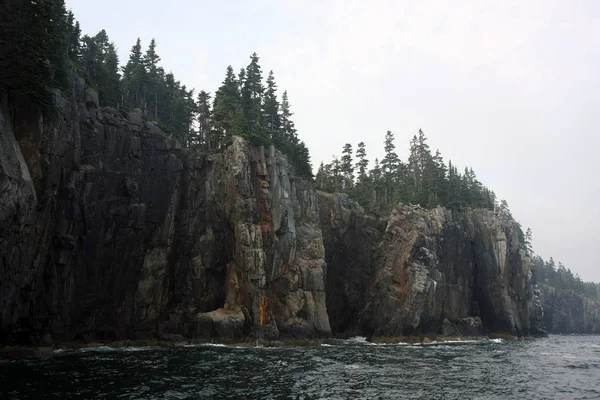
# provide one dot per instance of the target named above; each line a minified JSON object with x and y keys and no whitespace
{"x":497,"y":340}
{"x":209,"y":345}
{"x":358,"y":339}
{"x":326,"y":345}
{"x":139,"y":348}
{"x":106,"y":349}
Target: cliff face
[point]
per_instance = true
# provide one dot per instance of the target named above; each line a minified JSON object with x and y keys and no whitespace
{"x":109,"y":230}
{"x":426,"y":272}
{"x":569,"y":312}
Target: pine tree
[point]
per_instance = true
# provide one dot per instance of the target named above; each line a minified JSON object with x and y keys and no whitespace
{"x":100,"y":64}
{"x":154,"y":79}
{"x":336,"y":174}
{"x":389,"y":167}
{"x":362,"y":192}
{"x":321,"y":177}
{"x":288,"y":130}
{"x":302,"y":161}
{"x":110,"y":89}
{"x":375,"y":175}
{"x":347,"y":168}
{"x":504,"y":210}
{"x":73,"y":37}
{"x":34,"y":48}
{"x":134,"y":77}
{"x":363,"y":163}
{"x":271,"y":116}
{"x":226,"y":107}
{"x":204,"y":120}
{"x":252,"y":92}
{"x":441,"y":184}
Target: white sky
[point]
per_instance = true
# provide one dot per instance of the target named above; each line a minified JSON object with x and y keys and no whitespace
{"x":509,"y":88}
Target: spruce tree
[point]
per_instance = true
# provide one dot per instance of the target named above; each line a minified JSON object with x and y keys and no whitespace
{"x":362,"y":190}
{"x":376,"y":180}
{"x":389,"y":167}
{"x":134,"y":76}
{"x":154,"y":79}
{"x":110,"y":89}
{"x":288,"y":130}
{"x":347,"y":168}
{"x":363,"y":163}
{"x":271,"y":115}
{"x":226,"y":107}
{"x":204,"y":120}
{"x":34,"y":49}
{"x":252,"y":92}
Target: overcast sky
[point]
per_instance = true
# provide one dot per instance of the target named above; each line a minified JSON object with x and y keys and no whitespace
{"x":509,"y":88}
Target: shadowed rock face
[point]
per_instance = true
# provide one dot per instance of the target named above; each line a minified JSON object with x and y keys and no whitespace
{"x":110,"y":230}
{"x":425,"y":272}
{"x":569,"y":312}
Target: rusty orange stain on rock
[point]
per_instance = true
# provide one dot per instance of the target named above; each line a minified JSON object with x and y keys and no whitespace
{"x":263,"y":319}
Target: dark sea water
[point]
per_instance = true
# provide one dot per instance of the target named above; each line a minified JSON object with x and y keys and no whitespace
{"x":560,"y":367}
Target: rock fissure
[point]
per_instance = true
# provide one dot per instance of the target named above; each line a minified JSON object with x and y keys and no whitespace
{"x":111,"y":230}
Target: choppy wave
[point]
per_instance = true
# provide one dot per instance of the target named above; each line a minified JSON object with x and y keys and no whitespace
{"x":558,"y":367}
{"x":107,"y":349}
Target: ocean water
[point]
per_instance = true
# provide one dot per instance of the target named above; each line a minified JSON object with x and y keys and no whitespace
{"x":559,"y":367}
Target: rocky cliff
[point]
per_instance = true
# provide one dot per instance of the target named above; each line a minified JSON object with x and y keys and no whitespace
{"x":110,"y":230}
{"x":424,"y":272}
{"x":568,"y":312}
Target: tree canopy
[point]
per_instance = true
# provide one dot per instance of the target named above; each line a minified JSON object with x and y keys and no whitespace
{"x":38,"y":40}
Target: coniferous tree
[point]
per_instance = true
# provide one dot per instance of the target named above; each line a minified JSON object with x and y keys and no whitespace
{"x":73,"y":37}
{"x":321,"y":177}
{"x":347,"y":168}
{"x":389,"y":167}
{"x":34,"y":49}
{"x":271,"y":115}
{"x":134,"y":77}
{"x":288,"y":130}
{"x":110,"y":89}
{"x":226,"y":107}
{"x":154,"y":79}
{"x":204,"y":119}
{"x":377,"y":184}
{"x":252,"y":92}
{"x":100,"y":64}
{"x":362,"y":192}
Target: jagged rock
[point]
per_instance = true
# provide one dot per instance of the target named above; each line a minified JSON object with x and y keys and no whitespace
{"x":221,"y":323}
{"x":136,"y":122}
{"x":111,"y":230}
{"x":568,"y":312}
{"x":448,"y":328}
{"x":412,"y":271}
{"x":108,"y":231}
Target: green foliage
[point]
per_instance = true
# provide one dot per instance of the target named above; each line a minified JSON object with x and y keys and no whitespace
{"x":34,"y":48}
{"x":424,"y":179}
{"x":560,"y":277}
{"x":226,"y":106}
{"x":271,"y":117}
{"x":251,"y":102}
{"x":99,"y":63}
{"x":39,"y":37}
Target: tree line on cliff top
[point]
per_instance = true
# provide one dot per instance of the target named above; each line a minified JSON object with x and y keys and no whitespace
{"x":39,"y":38}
